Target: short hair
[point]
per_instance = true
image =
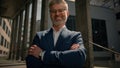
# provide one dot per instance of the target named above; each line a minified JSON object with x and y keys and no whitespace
{"x":52,"y":2}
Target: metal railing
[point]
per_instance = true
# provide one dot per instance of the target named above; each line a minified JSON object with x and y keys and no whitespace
{"x":105,"y":48}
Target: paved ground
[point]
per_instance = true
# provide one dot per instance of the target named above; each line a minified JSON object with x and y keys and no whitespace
{"x":21,"y":64}
{"x":7,"y":63}
{"x":106,"y":64}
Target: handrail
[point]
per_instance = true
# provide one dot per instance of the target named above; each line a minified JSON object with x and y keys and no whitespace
{"x":108,"y":49}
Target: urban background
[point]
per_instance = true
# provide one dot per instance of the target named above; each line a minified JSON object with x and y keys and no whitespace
{"x":21,"y":19}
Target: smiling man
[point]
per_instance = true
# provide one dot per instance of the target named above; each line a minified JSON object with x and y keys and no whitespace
{"x":57,"y":47}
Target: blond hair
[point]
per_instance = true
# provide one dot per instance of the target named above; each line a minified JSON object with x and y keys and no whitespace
{"x":52,"y":2}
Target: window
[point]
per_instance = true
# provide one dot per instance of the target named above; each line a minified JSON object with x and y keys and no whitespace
{"x":119,"y":32}
{"x":5,"y":43}
{"x":71,"y":22}
{"x":0,"y":51}
{"x":9,"y":33}
{"x":6,"y":30}
{"x":118,"y":15}
{"x":2,"y":40}
{"x":99,"y":33}
{"x":4,"y":25}
{"x":10,"y":22}
{"x":1,"y":22}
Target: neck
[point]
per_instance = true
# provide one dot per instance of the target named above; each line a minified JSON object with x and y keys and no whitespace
{"x":57,"y":27}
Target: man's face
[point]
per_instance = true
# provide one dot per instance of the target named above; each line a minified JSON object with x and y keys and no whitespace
{"x":58,"y":14}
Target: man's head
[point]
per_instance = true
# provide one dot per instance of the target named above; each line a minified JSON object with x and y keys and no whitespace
{"x":58,"y":11}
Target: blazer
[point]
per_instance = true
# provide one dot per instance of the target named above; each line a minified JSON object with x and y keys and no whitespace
{"x":59,"y":55}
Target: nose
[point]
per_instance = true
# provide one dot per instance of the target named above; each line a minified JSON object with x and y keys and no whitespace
{"x":57,"y":13}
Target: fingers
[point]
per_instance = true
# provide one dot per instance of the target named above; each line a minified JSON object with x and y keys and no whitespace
{"x":31,"y":50}
{"x":34,"y":50}
{"x":74,"y":46}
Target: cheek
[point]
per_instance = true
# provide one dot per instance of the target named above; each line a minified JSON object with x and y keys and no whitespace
{"x":64,"y":16}
{"x":52,"y":16}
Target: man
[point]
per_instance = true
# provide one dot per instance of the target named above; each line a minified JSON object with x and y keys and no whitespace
{"x":57,"y":47}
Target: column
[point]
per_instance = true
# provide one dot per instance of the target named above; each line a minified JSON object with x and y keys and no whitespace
{"x":19,"y":42}
{"x":11,"y":42}
{"x":15,"y":38}
{"x":25,"y":33}
{"x":44,"y":15}
{"x":33,"y":20}
{"x":83,"y":24}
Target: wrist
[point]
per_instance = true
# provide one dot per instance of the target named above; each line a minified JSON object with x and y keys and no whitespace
{"x":40,"y":54}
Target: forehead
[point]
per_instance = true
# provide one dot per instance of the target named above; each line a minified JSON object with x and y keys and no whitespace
{"x":58,"y":6}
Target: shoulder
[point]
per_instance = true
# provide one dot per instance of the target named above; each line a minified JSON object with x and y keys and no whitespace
{"x":74,"y":32}
{"x":42,"y":33}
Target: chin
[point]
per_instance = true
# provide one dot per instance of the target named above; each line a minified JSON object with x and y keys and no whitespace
{"x":58,"y":23}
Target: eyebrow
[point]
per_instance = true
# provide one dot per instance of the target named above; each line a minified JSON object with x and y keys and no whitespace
{"x":54,"y":10}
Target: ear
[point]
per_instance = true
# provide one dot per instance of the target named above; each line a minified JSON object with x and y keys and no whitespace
{"x":68,"y":13}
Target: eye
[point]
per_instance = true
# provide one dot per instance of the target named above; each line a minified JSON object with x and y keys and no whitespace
{"x":59,"y":10}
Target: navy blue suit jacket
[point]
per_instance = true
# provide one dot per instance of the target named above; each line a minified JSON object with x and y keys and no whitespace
{"x":59,"y":55}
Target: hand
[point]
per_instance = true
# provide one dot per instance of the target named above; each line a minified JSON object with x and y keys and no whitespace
{"x":74,"y":46}
{"x":34,"y":50}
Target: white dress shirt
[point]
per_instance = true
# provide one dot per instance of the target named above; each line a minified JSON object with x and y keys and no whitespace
{"x":56,"y":34}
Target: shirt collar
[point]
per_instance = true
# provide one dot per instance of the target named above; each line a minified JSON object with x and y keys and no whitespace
{"x":59,"y":30}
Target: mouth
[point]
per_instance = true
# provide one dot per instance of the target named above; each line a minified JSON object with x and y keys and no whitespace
{"x":58,"y":19}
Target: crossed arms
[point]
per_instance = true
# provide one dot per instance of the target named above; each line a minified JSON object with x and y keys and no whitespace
{"x":74,"y":57}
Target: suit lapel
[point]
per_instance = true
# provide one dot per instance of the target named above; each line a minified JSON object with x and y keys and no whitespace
{"x":49,"y":40}
{"x":61,"y":38}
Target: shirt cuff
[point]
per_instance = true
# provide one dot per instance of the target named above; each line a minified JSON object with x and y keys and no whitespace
{"x":42,"y":54}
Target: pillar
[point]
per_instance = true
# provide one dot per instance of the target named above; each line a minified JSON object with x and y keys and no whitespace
{"x":11,"y":42}
{"x":15,"y":38}
{"x":83,"y":24}
{"x":25,"y":33}
{"x":19,"y":42}
{"x":33,"y":20}
{"x":44,"y":15}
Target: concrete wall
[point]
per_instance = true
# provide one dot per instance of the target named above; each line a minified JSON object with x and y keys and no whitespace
{"x":110,"y":18}
{"x":71,"y":6}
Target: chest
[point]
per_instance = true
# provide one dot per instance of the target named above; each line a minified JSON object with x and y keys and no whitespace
{"x":62,"y":43}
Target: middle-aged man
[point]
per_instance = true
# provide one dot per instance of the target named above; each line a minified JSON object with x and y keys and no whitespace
{"x":57,"y":47}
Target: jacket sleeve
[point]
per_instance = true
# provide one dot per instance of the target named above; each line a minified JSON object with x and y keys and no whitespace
{"x":68,"y":58}
{"x":31,"y":61}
